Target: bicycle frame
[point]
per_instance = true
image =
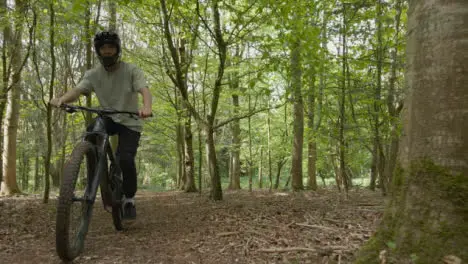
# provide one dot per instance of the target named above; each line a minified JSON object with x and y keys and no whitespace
{"x":103,"y":150}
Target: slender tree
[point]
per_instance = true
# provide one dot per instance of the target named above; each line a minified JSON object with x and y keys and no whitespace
{"x":298,"y":109}
{"x":47,"y":160}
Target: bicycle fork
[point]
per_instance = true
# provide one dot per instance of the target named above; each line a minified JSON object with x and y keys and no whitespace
{"x":101,"y":170}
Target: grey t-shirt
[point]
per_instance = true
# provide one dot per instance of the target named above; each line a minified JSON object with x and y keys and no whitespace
{"x":116,"y":90}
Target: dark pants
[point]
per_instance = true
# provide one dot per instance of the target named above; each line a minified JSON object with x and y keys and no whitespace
{"x":125,"y":154}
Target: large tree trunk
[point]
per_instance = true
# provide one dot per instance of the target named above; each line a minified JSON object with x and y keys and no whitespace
{"x":298,"y":109}
{"x":426,"y":218}
{"x":9,"y":185}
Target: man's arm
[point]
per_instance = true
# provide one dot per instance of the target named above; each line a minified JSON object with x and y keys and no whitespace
{"x":145,"y":111}
{"x":69,"y":97}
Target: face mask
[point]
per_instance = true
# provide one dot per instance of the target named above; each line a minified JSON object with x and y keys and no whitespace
{"x":108,"y":61}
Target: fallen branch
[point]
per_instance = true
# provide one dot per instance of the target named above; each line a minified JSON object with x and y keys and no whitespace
{"x":329,"y":249}
{"x":227,"y":234}
{"x":317,"y":226}
{"x":291,"y":249}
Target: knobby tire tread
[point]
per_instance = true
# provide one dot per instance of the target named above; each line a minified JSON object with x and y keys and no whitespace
{"x":66,"y":249}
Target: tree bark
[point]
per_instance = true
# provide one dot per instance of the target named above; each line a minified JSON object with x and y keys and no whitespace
{"x":9,"y":185}
{"x":250,"y":161}
{"x":342,"y":148}
{"x":89,"y":54}
{"x":113,"y":15}
{"x":49,"y":107}
{"x":426,"y":217}
{"x":311,"y":144}
{"x":188,"y":135}
{"x":179,"y":78}
{"x":298,"y":110}
{"x":260,"y":169}
{"x":393,"y":111}
{"x":280,"y":165}
{"x":216,"y":191}
{"x":234,"y":174}
{"x":270,"y":165}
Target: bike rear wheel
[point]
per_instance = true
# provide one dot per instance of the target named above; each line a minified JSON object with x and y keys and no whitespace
{"x":111,"y":188}
{"x":71,"y":229}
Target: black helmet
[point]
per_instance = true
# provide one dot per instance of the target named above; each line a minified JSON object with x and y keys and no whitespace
{"x":107,"y":37}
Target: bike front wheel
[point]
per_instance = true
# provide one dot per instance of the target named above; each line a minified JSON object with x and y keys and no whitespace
{"x":73,"y":209}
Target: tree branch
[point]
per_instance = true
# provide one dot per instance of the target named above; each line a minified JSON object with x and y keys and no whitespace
{"x":246,"y":115}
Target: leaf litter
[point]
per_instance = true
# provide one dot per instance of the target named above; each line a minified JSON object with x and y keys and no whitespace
{"x":176,"y":227}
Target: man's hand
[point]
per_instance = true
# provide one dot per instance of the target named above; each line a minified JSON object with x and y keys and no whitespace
{"x":145,"y":112}
{"x":57,"y":102}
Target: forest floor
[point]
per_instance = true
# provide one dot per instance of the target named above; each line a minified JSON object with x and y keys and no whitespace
{"x":176,"y":227}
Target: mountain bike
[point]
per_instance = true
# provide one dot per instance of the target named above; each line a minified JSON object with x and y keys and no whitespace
{"x":92,"y":164}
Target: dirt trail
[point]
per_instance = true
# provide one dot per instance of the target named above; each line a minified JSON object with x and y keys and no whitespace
{"x":174,"y":227}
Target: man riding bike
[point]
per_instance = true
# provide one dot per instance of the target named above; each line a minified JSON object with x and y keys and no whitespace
{"x":117,"y":85}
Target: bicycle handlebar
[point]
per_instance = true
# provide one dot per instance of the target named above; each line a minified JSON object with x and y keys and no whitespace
{"x":73,"y":108}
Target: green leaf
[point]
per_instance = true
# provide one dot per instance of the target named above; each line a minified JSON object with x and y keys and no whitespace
{"x":391,"y":245}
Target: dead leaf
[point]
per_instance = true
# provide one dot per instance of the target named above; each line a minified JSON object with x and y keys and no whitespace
{"x":383,"y":257}
{"x":451,"y":259}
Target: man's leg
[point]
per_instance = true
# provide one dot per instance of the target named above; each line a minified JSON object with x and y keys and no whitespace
{"x":126,"y":152}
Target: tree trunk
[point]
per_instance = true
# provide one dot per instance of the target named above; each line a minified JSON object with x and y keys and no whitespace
{"x":342,"y":148}
{"x":270,"y":165}
{"x":298,"y":129}
{"x":49,"y":107}
{"x":280,"y":165}
{"x":9,"y":185}
{"x":234,"y":176}
{"x":113,"y":15}
{"x":311,"y":144}
{"x":250,"y":161}
{"x":379,"y":158}
{"x":373,"y":176}
{"x":5,"y":78}
{"x":426,"y":217}
{"x":112,"y":26}
{"x":87,"y":38}
{"x":391,"y":104}
{"x":188,"y":135}
{"x":216,"y":191}
{"x":180,"y":152}
{"x":260,"y":169}
{"x":24,"y":170}
{"x":37,"y":178}
{"x":179,"y":78}
{"x":189,"y":156}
